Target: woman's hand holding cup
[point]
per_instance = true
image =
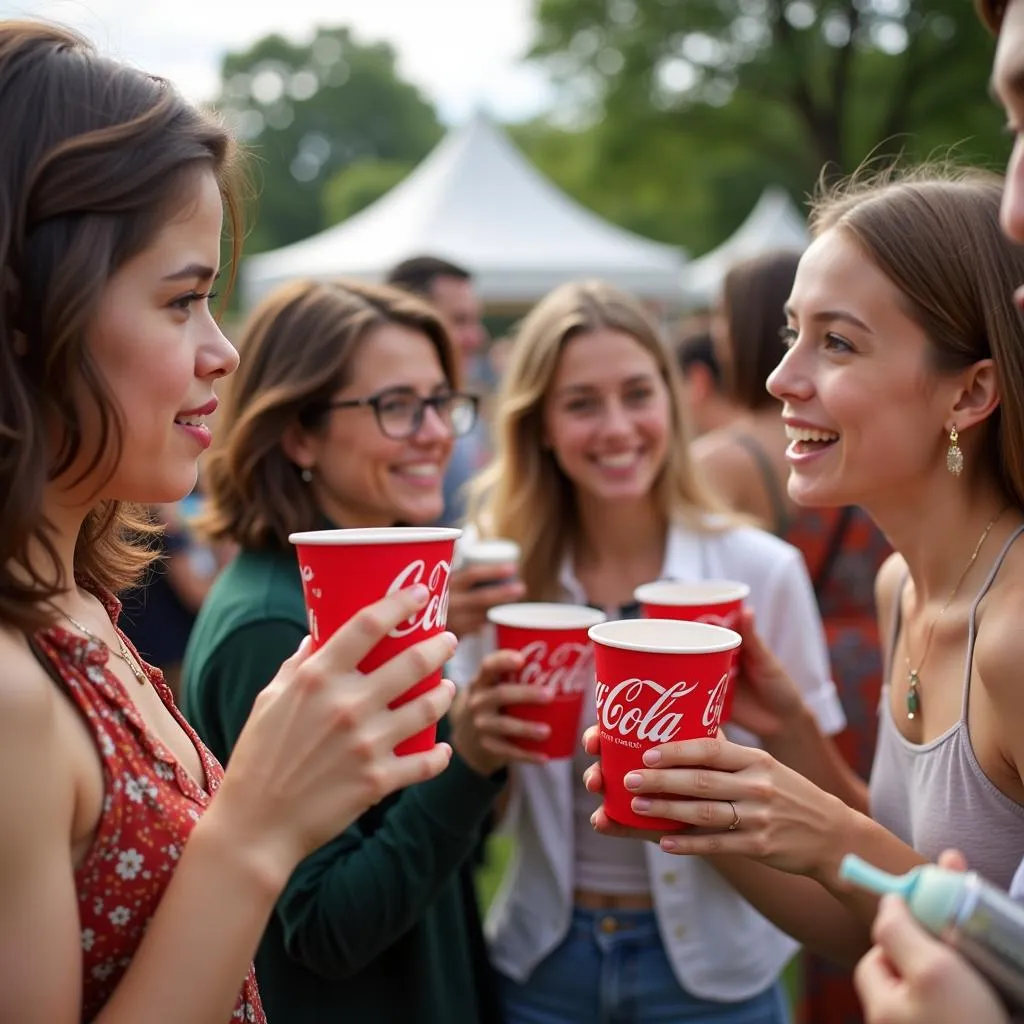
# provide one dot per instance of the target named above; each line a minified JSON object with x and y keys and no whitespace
{"x":483,"y":734}
{"x":740,"y":799}
{"x":318,"y":748}
{"x":487,"y":577}
{"x":765,"y":699}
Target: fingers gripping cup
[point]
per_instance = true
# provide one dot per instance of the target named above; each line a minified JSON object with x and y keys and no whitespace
{"x":559,"y":656}
{"x":716,"y":602}
{"x":658,"y":681}
{"x":343,"y":571}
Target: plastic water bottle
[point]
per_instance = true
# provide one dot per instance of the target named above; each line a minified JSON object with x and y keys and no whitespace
{"x":977,"y":919}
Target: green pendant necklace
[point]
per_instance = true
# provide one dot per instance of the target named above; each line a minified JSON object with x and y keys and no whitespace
{"x":914,"y":674}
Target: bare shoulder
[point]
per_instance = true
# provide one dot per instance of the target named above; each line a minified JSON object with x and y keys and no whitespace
{"x":999,"y":650}
{"x":31,"y":714}
{"x":723,"y":463}
{"x":38,"y":905}
{"x":26,"y":695}
{"x":720,"y":459}
{"x":888,"y":583}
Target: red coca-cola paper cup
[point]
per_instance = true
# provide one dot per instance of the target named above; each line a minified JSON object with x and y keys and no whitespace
{"x":658,"y":681}
{"x":560,"y":657}
{"x":343,"y":571}
{"x":716,"y":602}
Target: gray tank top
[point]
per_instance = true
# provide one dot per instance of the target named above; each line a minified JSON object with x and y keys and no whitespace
{"x":935,"y":795}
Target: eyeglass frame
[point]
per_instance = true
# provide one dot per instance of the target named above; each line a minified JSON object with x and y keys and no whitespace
{"x":374,"y":402}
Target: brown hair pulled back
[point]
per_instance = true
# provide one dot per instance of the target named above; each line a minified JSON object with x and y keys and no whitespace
{"x":934,"y":232}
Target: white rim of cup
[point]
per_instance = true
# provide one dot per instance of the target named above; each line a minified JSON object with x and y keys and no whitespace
{"x":545,"y":615}
{"x":665,"y":636}
{"x":689,"y":593}
{"x":494,"y":551}
{"x":375,"y":535}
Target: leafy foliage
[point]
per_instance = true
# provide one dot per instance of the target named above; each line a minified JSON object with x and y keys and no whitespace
{"x":715,"y":99}
{"x":311,"y":111}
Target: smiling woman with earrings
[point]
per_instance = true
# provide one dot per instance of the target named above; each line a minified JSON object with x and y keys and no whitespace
{"x":593,"y":481}
{"x":901,"y":392}
{"x":343,"y":414}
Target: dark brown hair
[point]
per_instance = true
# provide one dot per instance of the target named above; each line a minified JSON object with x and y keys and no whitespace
{"x":754,"y":296}
{"x":992,"y":13}
{"x":935,"y":233}
{"x":97,"y":157}
{"x":297,"y":350}
{"x":418,"y":274}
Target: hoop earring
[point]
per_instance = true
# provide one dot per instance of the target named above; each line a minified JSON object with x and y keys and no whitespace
{"x":954,"y":456}
{"x":307,"y":475}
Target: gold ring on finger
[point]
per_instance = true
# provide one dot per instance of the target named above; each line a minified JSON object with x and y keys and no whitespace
{"x":735,"y":817}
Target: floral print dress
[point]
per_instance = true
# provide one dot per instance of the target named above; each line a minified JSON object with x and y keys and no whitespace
{"x":150,"y":806}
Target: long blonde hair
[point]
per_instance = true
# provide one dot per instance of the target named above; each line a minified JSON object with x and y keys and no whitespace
{"x":523,"y":494}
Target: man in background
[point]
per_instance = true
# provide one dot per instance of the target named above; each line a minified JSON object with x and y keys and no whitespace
{"x":706,"y":402}
{"x":449,"y":289}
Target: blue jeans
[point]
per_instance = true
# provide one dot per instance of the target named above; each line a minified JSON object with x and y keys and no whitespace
{"x":612,"y":969}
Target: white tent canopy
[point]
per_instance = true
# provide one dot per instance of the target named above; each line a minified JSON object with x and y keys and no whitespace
{"x":774,"y":223}
{"x":475,"y":200}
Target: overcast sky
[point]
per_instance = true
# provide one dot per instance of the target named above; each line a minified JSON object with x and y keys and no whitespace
{"x":464,"y":54}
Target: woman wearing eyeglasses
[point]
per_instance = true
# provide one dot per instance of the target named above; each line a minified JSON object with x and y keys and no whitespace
{"x":343,"y":413}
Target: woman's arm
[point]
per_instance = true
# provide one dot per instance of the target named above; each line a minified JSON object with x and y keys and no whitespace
{"x":785,"y":823}
{"x":355,"y":897}
{"x":316,"y":753}
{"x":784,"y":693}
{"x":799,"y":906}
{"x":206,"y":929}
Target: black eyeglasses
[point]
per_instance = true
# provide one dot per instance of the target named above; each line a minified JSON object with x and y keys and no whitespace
{"x":400,"y":412}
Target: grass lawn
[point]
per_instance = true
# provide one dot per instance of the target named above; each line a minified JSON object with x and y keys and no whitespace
{"x":499,"y":852}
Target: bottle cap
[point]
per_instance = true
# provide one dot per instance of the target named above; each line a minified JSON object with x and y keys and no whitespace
{"x":932,"y":893}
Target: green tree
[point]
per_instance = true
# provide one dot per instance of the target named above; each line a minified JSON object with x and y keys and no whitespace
{"x":356,"y":186}
{"x":700,"y":104}
{"x":310,"y":111}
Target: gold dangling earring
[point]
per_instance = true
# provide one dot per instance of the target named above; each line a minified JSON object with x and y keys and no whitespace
{"x":954,"y":456}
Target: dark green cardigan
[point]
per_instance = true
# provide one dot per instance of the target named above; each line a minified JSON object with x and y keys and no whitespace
{"x":379,"y":925}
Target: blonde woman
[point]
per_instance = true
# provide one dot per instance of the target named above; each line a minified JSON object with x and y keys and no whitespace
{"x":593,"y":480}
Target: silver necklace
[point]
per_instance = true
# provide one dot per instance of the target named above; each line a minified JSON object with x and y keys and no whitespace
{"x":124,"y":654}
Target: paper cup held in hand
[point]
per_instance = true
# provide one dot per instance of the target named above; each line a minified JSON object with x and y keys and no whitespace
{"x":716,"y":602}
{"x":658,"y":681}
{"x":559,"y":657}
{"x":343,"y":571}
{"x":496,"y":551}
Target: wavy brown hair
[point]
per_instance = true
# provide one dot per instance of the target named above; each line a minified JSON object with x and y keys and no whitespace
{"x":297,"y":351}
{"x":934,"y":231}
{"x":97,"y":157}
{"x":523,"y":494}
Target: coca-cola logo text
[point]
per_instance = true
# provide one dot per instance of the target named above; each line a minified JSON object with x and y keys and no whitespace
{"x":564,"y":671}
{"x":728,"y":620}
{"x":434,"y":615}
{"x":716,"y":705}
{"x":311,"y":593}
{"x":626,"y":709}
